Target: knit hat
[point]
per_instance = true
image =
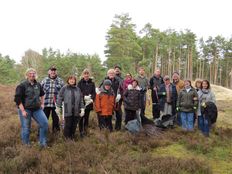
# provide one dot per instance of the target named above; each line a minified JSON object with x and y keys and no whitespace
{"x":107,"y":82}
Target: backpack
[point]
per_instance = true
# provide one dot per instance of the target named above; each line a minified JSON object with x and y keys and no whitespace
{"x":210,"y":111}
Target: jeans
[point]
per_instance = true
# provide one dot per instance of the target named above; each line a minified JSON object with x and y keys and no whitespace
{"x":187,"y":119}
{"x":203,"y":125}
{"x":41,"y":120}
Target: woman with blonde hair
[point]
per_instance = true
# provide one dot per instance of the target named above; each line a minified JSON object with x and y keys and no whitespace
{"x":29,"y":97}
{"x":87,"y":87}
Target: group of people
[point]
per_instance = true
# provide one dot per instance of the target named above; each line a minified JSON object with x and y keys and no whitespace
{"x":71,"y":103}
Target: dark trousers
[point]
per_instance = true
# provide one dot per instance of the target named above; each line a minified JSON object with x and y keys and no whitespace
{"x":105,"y":122}
{"x":130,"y":115}
{"x":118,"y":115}
{"x":70,"y":126}
{"x":142,"y":104}
{"x":84,"y":122}
{"x":55,"y":118}
{"x":155,"y":110}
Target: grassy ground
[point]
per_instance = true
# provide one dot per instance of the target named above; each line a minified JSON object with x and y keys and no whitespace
{"x":172,"y":151}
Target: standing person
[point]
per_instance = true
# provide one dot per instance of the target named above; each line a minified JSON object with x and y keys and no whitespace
{"x":204,"y":95}
{"x":104,"y":105}
{"x":115,"y":84}
{"x":155,"y":83}
{"x":179,"y":86}
{"x":71,"y":95}
{"x":87,"y":87}
{"x":144,"y":86}
{"x":127,"y":81}
{"x":131,"y":98}
{"x":51,"y":86}
{"x":118,"y":74}
{"x":29,"y":97}
{"x":168,"y":97}
{"x":187,"y":105}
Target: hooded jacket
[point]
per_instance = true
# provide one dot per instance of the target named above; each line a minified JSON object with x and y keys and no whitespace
{"x":105,"y":102}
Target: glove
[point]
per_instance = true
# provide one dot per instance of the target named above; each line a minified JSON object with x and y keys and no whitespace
{"x":58,"y":111}
{"x":177,"y":109}
{"x":87,"y":97}
{"x":203,"y":105}
{"x":118,"y":98}
{"x":97,"y":91}
{"x":195,"y":108}
{"x":88,"y":102}
{"x":82,"y":112}
{"x":163,"y":93}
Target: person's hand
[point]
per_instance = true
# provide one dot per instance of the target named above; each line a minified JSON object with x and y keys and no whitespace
{"x":88,"y":102}
{"x":177,"y":109}
{"x":97,"y":90}
{"x":82,"y":112}
{"x":118,"y":97}
{"x":42,"y":106}
{"x":24,"y":113}
{"x":195,"y":108}
{"x":203,"y":105}
{"x":163,"y":93}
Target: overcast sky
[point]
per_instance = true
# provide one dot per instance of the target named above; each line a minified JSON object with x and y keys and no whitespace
{"x":81,"y":25}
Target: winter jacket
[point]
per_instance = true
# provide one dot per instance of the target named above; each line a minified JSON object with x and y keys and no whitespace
{"x":163,"y":96}
{"x":187,"y":100}
{"x":155,"y":82}
{"x":51,"y":88}
{"x":87,"y":88}
{"x":105,"y":102}
{"x":65,"y":95}
{"x":29,"y":95}
{"x":132,"y":98}
{"x":205,"y":96}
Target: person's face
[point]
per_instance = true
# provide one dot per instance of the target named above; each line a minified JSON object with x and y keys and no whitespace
{"x":52,"y":73}
{"x":175,"y":78}
{"x":117,"y":71}
{"x":128,"y":76}
{"x":72,"y":81}
{"x":31,"y":75}
{"x":86,"y":76}
{"x":141,"y":71}
{"x":198,"y":84}
{"x":157,"y":72}
{"x":167,"y":81}
{"x":107,"y":87}
{"x":204,"y":85}
{"x":134,"y":84}
{"x":111,"y":75}
{"x":186,"y":83}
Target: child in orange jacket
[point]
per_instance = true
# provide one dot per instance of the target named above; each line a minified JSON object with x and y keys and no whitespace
{"x":104,"y":105}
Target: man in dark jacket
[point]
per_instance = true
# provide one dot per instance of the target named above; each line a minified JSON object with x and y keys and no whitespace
{"x":155,"y":83}
{"x":29,"y":97}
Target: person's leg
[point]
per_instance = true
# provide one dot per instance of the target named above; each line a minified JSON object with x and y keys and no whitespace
{"x":108,"y":121}
{"x":25,"y":126}
{"x":42,"y":121}
{"x":201,"y":123}
{"x":74,"y":126}
{"x":55,"y":121}
{"x":118,"y":122}
{"x":143,"y":104}
{"x":86,"y":120}
{"x":81,"y":126}
{"x":190,"y":121}
{"x":206,"y":126}
{"x":102,"y":123}
{"x":183,"y":116}
{"x":47,"y":111}
{"x":155,"y":110}
{"x":68,"y":127}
